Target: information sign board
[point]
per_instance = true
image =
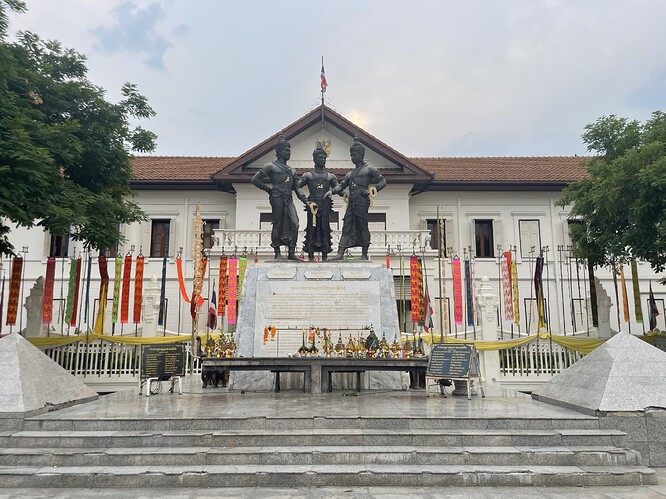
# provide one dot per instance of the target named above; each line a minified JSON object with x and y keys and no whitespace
{"x":163,"y":361}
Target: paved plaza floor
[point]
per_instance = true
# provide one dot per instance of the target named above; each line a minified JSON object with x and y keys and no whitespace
{"x":196,"y":402}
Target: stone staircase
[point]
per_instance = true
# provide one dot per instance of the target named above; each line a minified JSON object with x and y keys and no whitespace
{"x":316,"y":451}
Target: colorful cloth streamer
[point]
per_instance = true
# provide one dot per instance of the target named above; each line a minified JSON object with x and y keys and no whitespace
{"x":232,"y":291}
{"x":637,"y":292}
{"x":538,"y":289}
{"x":118,"y":269}
{"x":514,"y":293}
{"x":222,"y":287}
{"x":138,"y":290}
{"x":506,"y":286}
{"x":593,"y":296}
{"x":625,"y":298}
{"x":162,"y":309}
{"x":181,"y":280}
{"x":457,"y":292}
{"x":212,"y":312}
{"x":103,"y":292}
{"x":47,"y":307}
{"x":87,"y":299}
{"x":14,"y":288}
{"x":468,"y":293}
{"x":242,"y":265}
{"x":77,"y":285}
{"x":415,"y":282}
{"x":69,"y":310}
{"x":125,"y":298}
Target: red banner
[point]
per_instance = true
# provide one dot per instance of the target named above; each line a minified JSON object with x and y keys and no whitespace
{"x":222,"y":287}
{"x":507,"y":288}
{"x":181,"y":280}
{"x":14,"y":288}
{"x":138,"y":289}
{"x":232,"y":290}
{"x":47,"y":307}
{"x":124,"y":301}
{"x":457,"y":292}
{"x":416,"y":287}
{"x":77,"y":285}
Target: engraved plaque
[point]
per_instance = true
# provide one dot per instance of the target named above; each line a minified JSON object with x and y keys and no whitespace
{"x":355,"y":274}
{"x":318,"y":274}
{"x":281,"y":273}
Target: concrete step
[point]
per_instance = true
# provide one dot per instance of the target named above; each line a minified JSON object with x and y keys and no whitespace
{"x":51,"y":422}
{"x":314,"y":437}
{"x":322,"y":475}
{"x":320,"y":455}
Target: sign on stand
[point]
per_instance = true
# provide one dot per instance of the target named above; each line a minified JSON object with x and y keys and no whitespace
{"x":454,"y":361}
{"x":161,"y":363}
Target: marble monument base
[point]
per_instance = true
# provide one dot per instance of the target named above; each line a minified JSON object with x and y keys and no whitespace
{"x":344,"y":297}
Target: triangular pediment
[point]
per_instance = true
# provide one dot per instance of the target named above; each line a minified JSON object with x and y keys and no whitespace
{"x":331,"y":126}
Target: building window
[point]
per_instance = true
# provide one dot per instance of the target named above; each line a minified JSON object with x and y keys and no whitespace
{"x":437,"y":237}
{"x":265,"y":221}
{"x":376,"y":221}
{"x":483,"y":235}
{"x":59,"y":247}
{"x":159,"y":238}
{"x":530,"y":238}
{"x":209,"y":233}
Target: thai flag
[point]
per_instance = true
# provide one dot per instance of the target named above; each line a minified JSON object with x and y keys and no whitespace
{"x":324,"y":83}
{"x":212,"y":312}
{"x":427,"y":323}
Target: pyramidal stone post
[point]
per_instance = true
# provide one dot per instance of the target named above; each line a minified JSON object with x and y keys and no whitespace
{"x":33,"y":383}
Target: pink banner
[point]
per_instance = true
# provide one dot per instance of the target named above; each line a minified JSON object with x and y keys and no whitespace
{"x":457,"y":292}
{"x":232,"y":291}
{"x":506,"y":286}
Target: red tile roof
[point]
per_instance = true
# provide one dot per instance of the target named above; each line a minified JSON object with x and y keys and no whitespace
{"x":537,"y":169}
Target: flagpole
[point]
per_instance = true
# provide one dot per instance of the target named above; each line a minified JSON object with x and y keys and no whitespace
{"x":323,"y":89}
{"x":441,"y":284}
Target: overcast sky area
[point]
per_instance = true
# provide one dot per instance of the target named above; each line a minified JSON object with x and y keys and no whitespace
{"x":428,"y":77}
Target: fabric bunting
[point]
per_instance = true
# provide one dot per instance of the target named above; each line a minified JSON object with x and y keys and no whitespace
{"x":77,"y":285}
{"x":162,"y":309}
{"x":653,"y":310}
{"x":457,"y":292}
{"x":617,"y":295}
{"x":14,"y":288}
{"x":514,"y":293}
{"x":69,"y":310}
{"x":468,"y":293}
{"x":415,"y":282}
{"x":2,"y":301}
{"x":427,"y":305}
{"x":47,"y":307}
{"x":124,"y":299}
{"x":507,"y":290}
{"x":116,"y":289}
{"x":103,"y":292}
{"x":388,"y":261}
{"x":538,"y":289}
{"x":593,"y":296}
{"x":242,"y":265}
{"x":87,"y":296}
{"x":212,"y":311}
{"x":138,"y":289}
{"x":637,"y":292}
{"x":222,"y":286}
{"x":442,"y":282}
{"x":232,"y":291}
{"x":625,"y":298}
{"x":181,"y":280}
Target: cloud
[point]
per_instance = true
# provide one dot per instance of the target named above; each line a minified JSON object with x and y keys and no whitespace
{"x":135,"y":30}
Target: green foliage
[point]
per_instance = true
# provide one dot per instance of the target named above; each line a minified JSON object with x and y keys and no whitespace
{"x":621,"y":205}
{"x":64,"y":150}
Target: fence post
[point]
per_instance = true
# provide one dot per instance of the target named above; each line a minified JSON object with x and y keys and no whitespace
{"x":490,"y":365}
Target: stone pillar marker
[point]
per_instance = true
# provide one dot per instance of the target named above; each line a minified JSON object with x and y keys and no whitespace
{"x":33,"y":306}
{"x":151,"y":307}
{"x":603,"y":310}
{"x":488,"y":303}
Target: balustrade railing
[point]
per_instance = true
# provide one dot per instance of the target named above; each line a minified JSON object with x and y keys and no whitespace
{"x":535,"y":359}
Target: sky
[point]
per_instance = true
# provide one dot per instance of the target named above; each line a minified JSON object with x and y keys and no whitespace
{"x":427,"y":77}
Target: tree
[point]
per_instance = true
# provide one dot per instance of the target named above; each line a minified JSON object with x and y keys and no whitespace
{"x":64,"y":150}
{"x":621,"y":205}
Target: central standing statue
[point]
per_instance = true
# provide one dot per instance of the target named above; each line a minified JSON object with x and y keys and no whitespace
{"x":283,"y":180}
{"x":319,"y":182}
{"x":355,"y":230}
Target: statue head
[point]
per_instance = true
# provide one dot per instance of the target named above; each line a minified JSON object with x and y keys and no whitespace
{"x":357,"y":151}
{"x":282,"y":148}
{"x":319,"y":155}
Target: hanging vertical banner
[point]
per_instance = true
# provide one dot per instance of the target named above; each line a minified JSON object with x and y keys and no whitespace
{"x":469,"y":295}
{"x":420,"y":284}
{"x":593,"y":296}
{"x":14,"y":288}
{"x":472,"y":264}
{"x":2,"y":301}
{"x":181,"y":280}
{"x":212,"y":312}
{"x":232,"y":291}
{"x":138,"y":289}
{"x":514,"y":293}
{"x":414,"y":278}
{"x":442,"y":282}
{"x":506,"y":286}
{"x":47,"y":304}
{"x":69,"y":310}
{"x":653,"y":310}
{"x":87,"y":299}
{"x":77,"y":285}
{"x":242,"y":265}
{"x":625,"y":298}
{"x":222,"y":287}
{"x":427,"y":305}
{"x":103,"y":293}
{"x":638,"y":309}
{"x":457,"y":291}
{"x":388,"y":261}
{"x":125,"y":297}
{"x":538,"y":289}
{"x":116,"y":289}
{"x":617,"y":293}
{"x":162,"y":309}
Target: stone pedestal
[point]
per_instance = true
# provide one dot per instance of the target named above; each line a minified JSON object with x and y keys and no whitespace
{"x":33,"y":307}
{"x":343,"y":297}
{"x":151,"y":307}
{"x":488,"y":302}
